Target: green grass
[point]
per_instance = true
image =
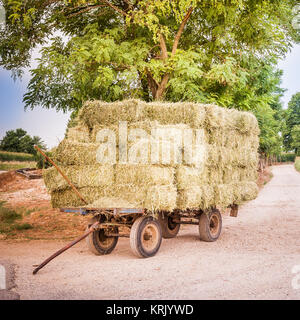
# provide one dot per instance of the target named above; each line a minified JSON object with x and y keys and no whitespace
{"x":297,"y":165}
{"x":8,"y":220}
{"x":16,"y":156}
{"x":16,"y":165}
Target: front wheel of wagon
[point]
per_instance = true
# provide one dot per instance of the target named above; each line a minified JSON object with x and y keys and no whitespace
{"x":145,"y":237}
{"x":169,"y":228}
{"x":99,"y":243}
{"x":210,"y":225}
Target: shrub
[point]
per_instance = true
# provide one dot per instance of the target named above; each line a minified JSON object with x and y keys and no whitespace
{"x":286,"y":157}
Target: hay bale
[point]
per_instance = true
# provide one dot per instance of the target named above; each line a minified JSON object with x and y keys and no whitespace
{"x":188,"y":113}
{"x":80,"y":133}
{"x":230,"y":119}
{"x":196,"y":197}
{"x":149,"y":197}
{"x":81,"y":176}
{"x":248,"y":191}
{"x":232,"y":174}
{"x":101,"y":113}
{"x":144,"y":175}
{"x":190,"y":198}
{"x":191,"y":176}
{"x":76,"y":153}
{"x":161,"y":198}
{"x":248,"y":175}
{"x":224,"y":195}
{"x":216,"y":175}
{"x":67,"y":197}
{"x":112,"y":202}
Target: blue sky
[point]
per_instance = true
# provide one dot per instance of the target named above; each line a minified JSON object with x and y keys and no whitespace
{"x":51,"y":125}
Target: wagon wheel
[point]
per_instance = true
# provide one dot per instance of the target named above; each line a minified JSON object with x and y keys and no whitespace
{"x":145,"y":237}
{"x":210,"y":225}
{"x":169,"y":228}
{"x":99,"y":243}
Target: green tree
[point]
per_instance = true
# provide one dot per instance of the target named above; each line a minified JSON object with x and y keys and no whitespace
{"x":295,"y":133}
{"x":152,"y":49}
{"x":292,"y":121}
{"x":19,"y":141}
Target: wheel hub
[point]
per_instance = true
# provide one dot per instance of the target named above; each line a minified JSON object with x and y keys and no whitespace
{"x":150,"y":237}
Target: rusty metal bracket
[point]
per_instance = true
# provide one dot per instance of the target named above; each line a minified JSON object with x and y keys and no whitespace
{"x":234,"y":210}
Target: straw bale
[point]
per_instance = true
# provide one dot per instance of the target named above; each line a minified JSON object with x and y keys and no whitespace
{"x":80,"y":133}
{"x":144,"y":174}
{"x":161,"y":198}
{"x":81,"y":176}
{"x":101,"y":113}
{"x":187,"y":176}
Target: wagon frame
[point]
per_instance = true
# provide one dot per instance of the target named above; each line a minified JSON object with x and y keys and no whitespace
{"x":144,"y":228}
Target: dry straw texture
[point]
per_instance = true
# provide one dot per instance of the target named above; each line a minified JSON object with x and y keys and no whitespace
{"x":223,"y":170}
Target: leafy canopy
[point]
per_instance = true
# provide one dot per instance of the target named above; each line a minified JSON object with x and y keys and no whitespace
{"x":151,"y":49}
{"x":221,"y":51}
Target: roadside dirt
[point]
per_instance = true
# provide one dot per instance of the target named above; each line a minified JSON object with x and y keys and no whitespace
{"x":253,"y":258}
{"x":30,"y":198}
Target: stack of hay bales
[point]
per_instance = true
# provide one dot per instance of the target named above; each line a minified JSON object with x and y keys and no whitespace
{"x":222,"y":170}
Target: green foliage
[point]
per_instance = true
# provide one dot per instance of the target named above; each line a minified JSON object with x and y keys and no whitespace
{"x":19,"y":141}
{"x":41,"y":162}
{"x":297,"y":165}
{"x":150,"y":49}
{"x":291,"y":132}
{"x":295,"y":134}
{"x":15,"y":156}
{"x":286,"y":157}
{"x":208,"y":51}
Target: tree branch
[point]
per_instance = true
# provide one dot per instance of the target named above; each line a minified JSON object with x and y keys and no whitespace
{"x":163,"y":47}
{"x":180,"y":30}
{"x":115,"y":8}
{"x":82,"y":10}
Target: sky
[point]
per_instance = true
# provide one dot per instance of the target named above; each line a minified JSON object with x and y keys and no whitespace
{"x":50,"y":125}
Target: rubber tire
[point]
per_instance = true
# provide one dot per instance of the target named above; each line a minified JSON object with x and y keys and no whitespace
{"x":204,"y":225}
{"x":94,"y":243}
{"x":136,"y":236}
{"x":168,"y":231}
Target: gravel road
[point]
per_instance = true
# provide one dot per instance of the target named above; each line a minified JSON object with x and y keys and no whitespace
{"x":253,"y":258}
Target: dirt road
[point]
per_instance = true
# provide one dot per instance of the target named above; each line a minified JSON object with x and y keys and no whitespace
{"x":253,"y":259}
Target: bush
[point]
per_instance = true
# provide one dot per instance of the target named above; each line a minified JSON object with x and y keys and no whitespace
{"x":297,"y":164}
{"x":286,"y":157}
{"x":41,"y":162}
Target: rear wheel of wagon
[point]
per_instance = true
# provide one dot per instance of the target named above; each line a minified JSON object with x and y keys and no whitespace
{"x":99,"y":243}
{"x":145,"y":237}
{"x":210,"y":225}
{"x":169,"y":228}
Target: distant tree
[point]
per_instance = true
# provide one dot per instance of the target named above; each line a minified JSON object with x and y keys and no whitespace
{"x":292,"y":120}
{"x":296,"y":139}
{"x":19,"y":141}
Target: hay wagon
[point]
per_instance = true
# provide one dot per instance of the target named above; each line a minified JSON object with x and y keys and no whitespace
{"x":144,"y":229}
